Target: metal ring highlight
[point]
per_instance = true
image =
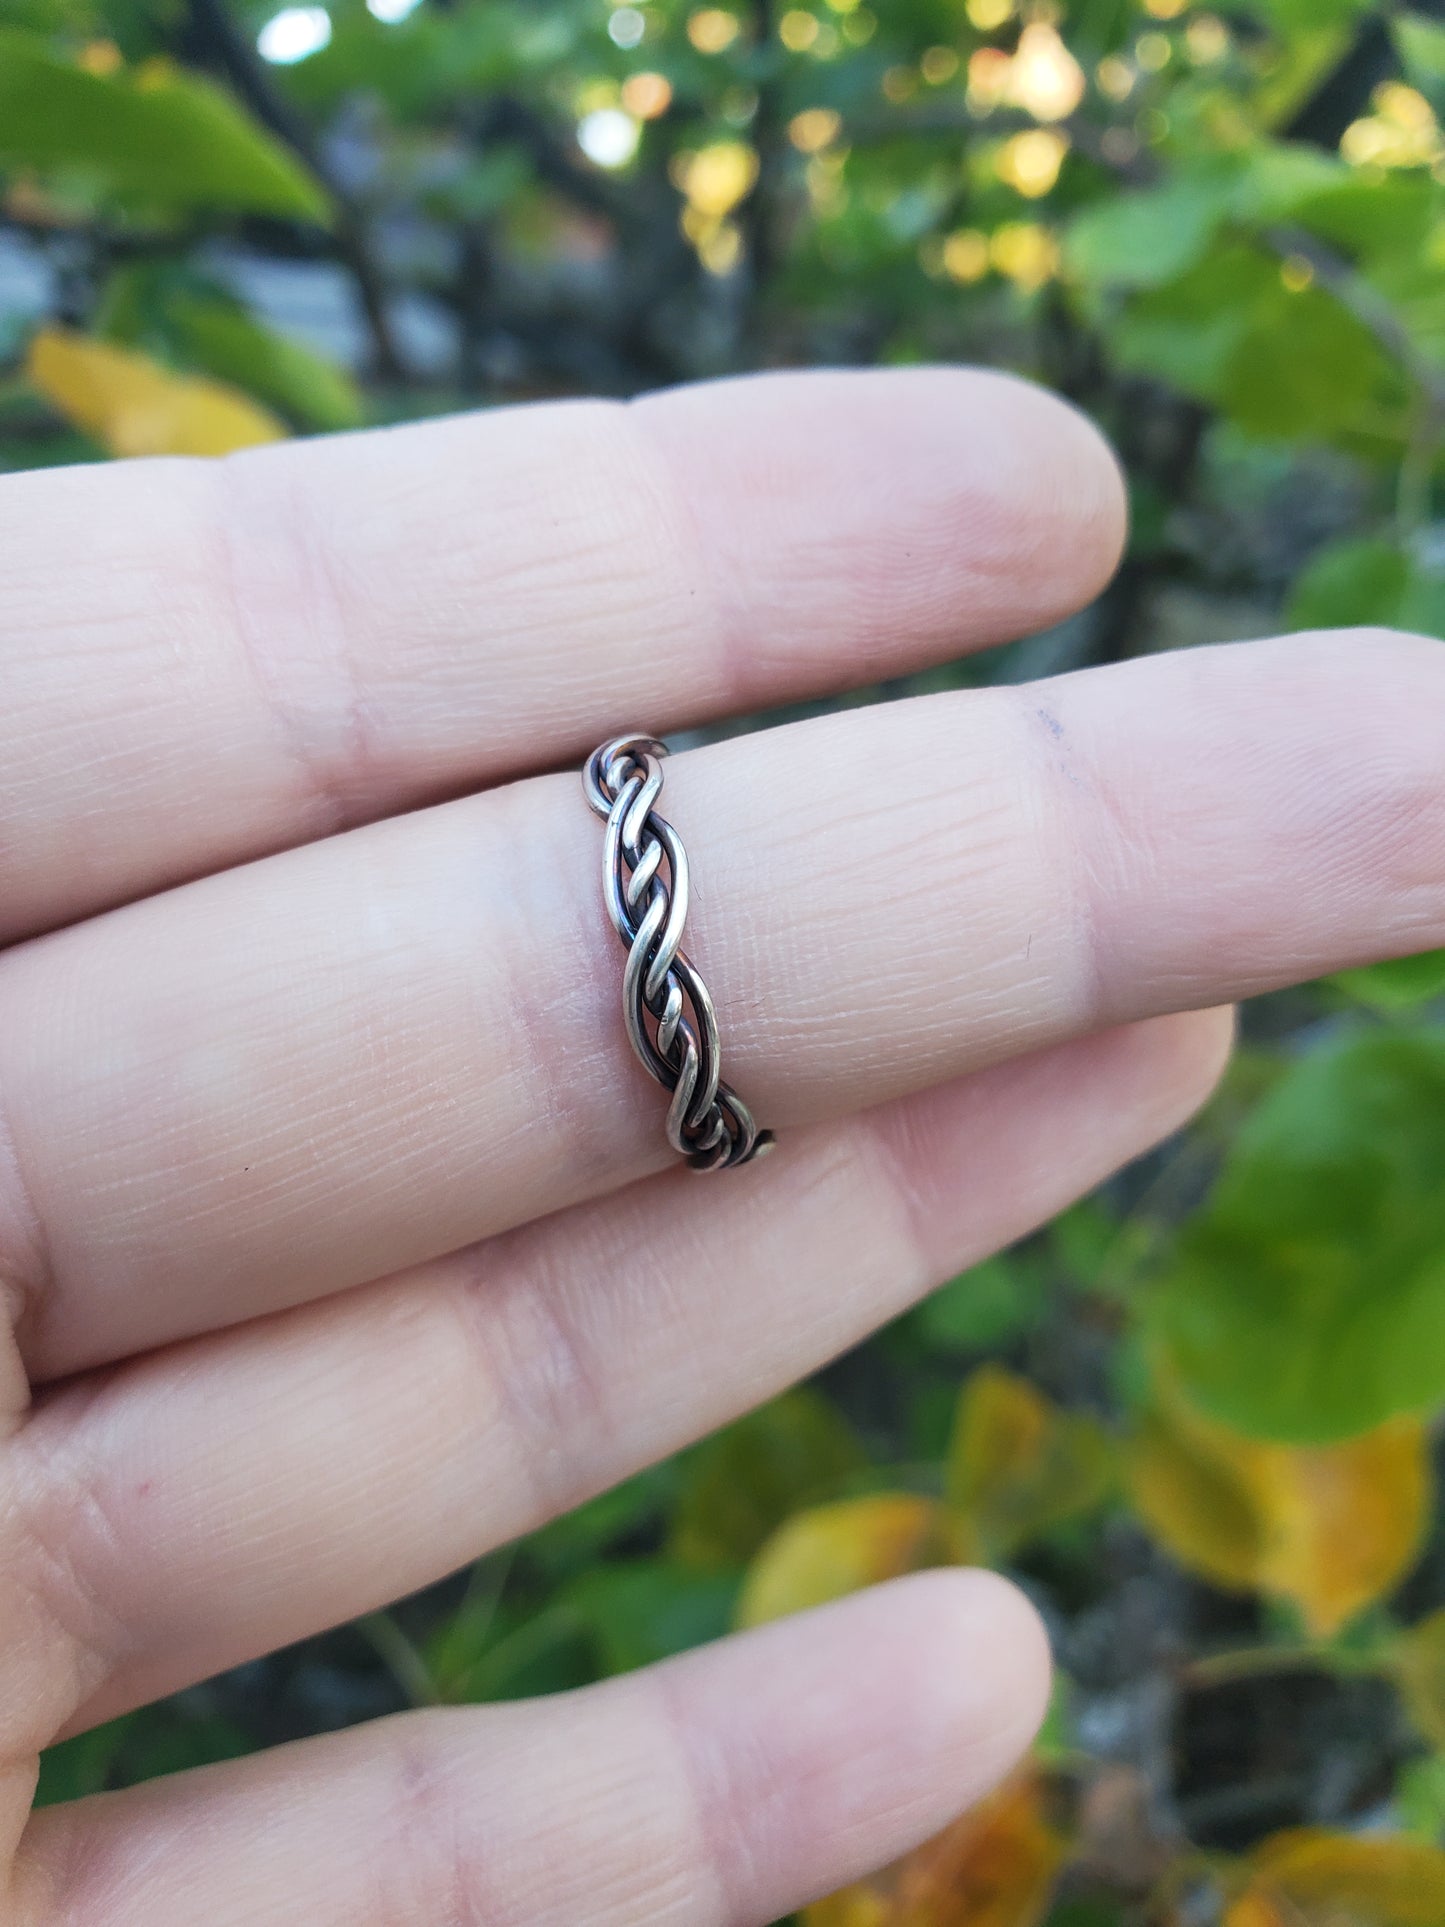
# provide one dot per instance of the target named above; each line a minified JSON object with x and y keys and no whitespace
{"x":671,"y":1023}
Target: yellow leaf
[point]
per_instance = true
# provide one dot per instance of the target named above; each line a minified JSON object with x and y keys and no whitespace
{"x":853,"y":1907}
{"x":135,"y":407}
{"x":1311,"y":1878}
{"x":1196,"y":1496}
{"x":1018,"y":1465}
{"x":1330,"y":1528}
{"x":995,"y":1867}
{"x":1419,"y":1662}
{"x":1255,"y":1910}
{"x":1349,"y":1520}
{"x":835,"y":1549}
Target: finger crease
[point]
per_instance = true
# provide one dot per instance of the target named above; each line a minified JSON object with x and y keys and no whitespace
{"x":334,"y":783}
{"x":70,"y":1530}
{"x":521,"y":1326}
{"x":1068,"y":794}
{"x":725,"y":1823}
{"x":432,"y":1839}
{"x":728,"y":656}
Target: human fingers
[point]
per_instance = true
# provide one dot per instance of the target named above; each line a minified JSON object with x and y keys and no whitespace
{"x":350,"y":1058}
{"x":206,"y":661}
{"x":718,"y":1790}
{"x":226,"y":1497}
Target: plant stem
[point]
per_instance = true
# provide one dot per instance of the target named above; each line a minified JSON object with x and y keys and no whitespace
{"x":233,"y":54}
{"x":400,"y":1657}
{"x":1417,"y":469}
{"x":1257,"y":1662}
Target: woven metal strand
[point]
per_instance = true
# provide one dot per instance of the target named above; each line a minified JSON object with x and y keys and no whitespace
{"x":669,"y":1015}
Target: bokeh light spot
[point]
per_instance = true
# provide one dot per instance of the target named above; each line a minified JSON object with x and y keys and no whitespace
{"x":1027,"y":253}
{"x":965,"y":257}
{"x":1045,"y":80}
{"x":294,"y":34}
{"x":1153,"y":52}
{"x":815,"y":128}
{"x":798,"y":30}
{"x":608,"y":136}
{"x":1207,"y":39}
{"x":712,"y":29}
{"x":1030,"y":162}
{"x":1116,"y":77}
{"x":647,"y":95}
{"x":627,"y":28}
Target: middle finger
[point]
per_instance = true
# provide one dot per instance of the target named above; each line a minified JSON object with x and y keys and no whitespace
{"x":245,"y":1489}
{"x":358,"y":1055}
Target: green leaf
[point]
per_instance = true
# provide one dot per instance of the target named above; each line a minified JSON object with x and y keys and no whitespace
{"x":1373,"y":219}
{"x":1420,"y":1797}
{"x":644,"y":1610}
{"x":1306,"y":1300}
{"x":1184,"y":332}
{"x":1189,"y":331}
{"x":81,"y":1765}
{"x":1421,"y":46}
{"x":1418,"y":1665}
{"x":1401,"y":984}
{"x":167,"y":1739}
{"x":1295,"y":15}
{"x":1144,"y":239}
{"x":224,"y":340}
{"x":525,"y":1652}
{"x":1284,"y":363}
{"x":1276,"y":179}
{"x":1422,"y":607}
{"x":1317,"y":37}
{"x":1351,"y":584}
{"x":1303,"y":369}
{"x":155,"y":136}
{"x":744,"y":1483}
{"x":992,"y":1303}
{"x":1148,"y":238}
{"x":632,"y":1510}
{"x":1370,"y":582}
{"x":1085,"y":1242}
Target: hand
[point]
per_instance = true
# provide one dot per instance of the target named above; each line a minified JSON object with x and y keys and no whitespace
{"x":302,"y":1027}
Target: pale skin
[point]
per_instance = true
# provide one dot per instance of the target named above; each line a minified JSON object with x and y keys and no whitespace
{"x":338,"y":1233}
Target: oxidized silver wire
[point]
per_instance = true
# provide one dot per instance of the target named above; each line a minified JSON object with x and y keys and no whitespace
{"x":666,"y":1007}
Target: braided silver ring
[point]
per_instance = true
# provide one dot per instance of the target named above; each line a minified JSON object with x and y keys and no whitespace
{"x":665,"y":1003}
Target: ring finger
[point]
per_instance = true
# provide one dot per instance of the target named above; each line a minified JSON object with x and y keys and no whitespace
{"x":362,"y":1054}
{"x":359,"y":1055}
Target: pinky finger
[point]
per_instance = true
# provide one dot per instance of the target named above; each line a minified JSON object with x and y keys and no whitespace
{"x":721,"y":1789}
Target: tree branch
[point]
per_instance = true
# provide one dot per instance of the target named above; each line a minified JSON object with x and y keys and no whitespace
{"x":220,"y":39}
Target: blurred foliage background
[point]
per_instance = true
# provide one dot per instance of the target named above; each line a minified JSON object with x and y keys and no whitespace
{"x":1196,"y":1417}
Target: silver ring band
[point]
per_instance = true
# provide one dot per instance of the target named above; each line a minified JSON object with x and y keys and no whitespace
{"x":666,"y":1007}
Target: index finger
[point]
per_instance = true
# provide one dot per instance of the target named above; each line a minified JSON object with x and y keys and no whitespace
{"x":207,"y":661}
